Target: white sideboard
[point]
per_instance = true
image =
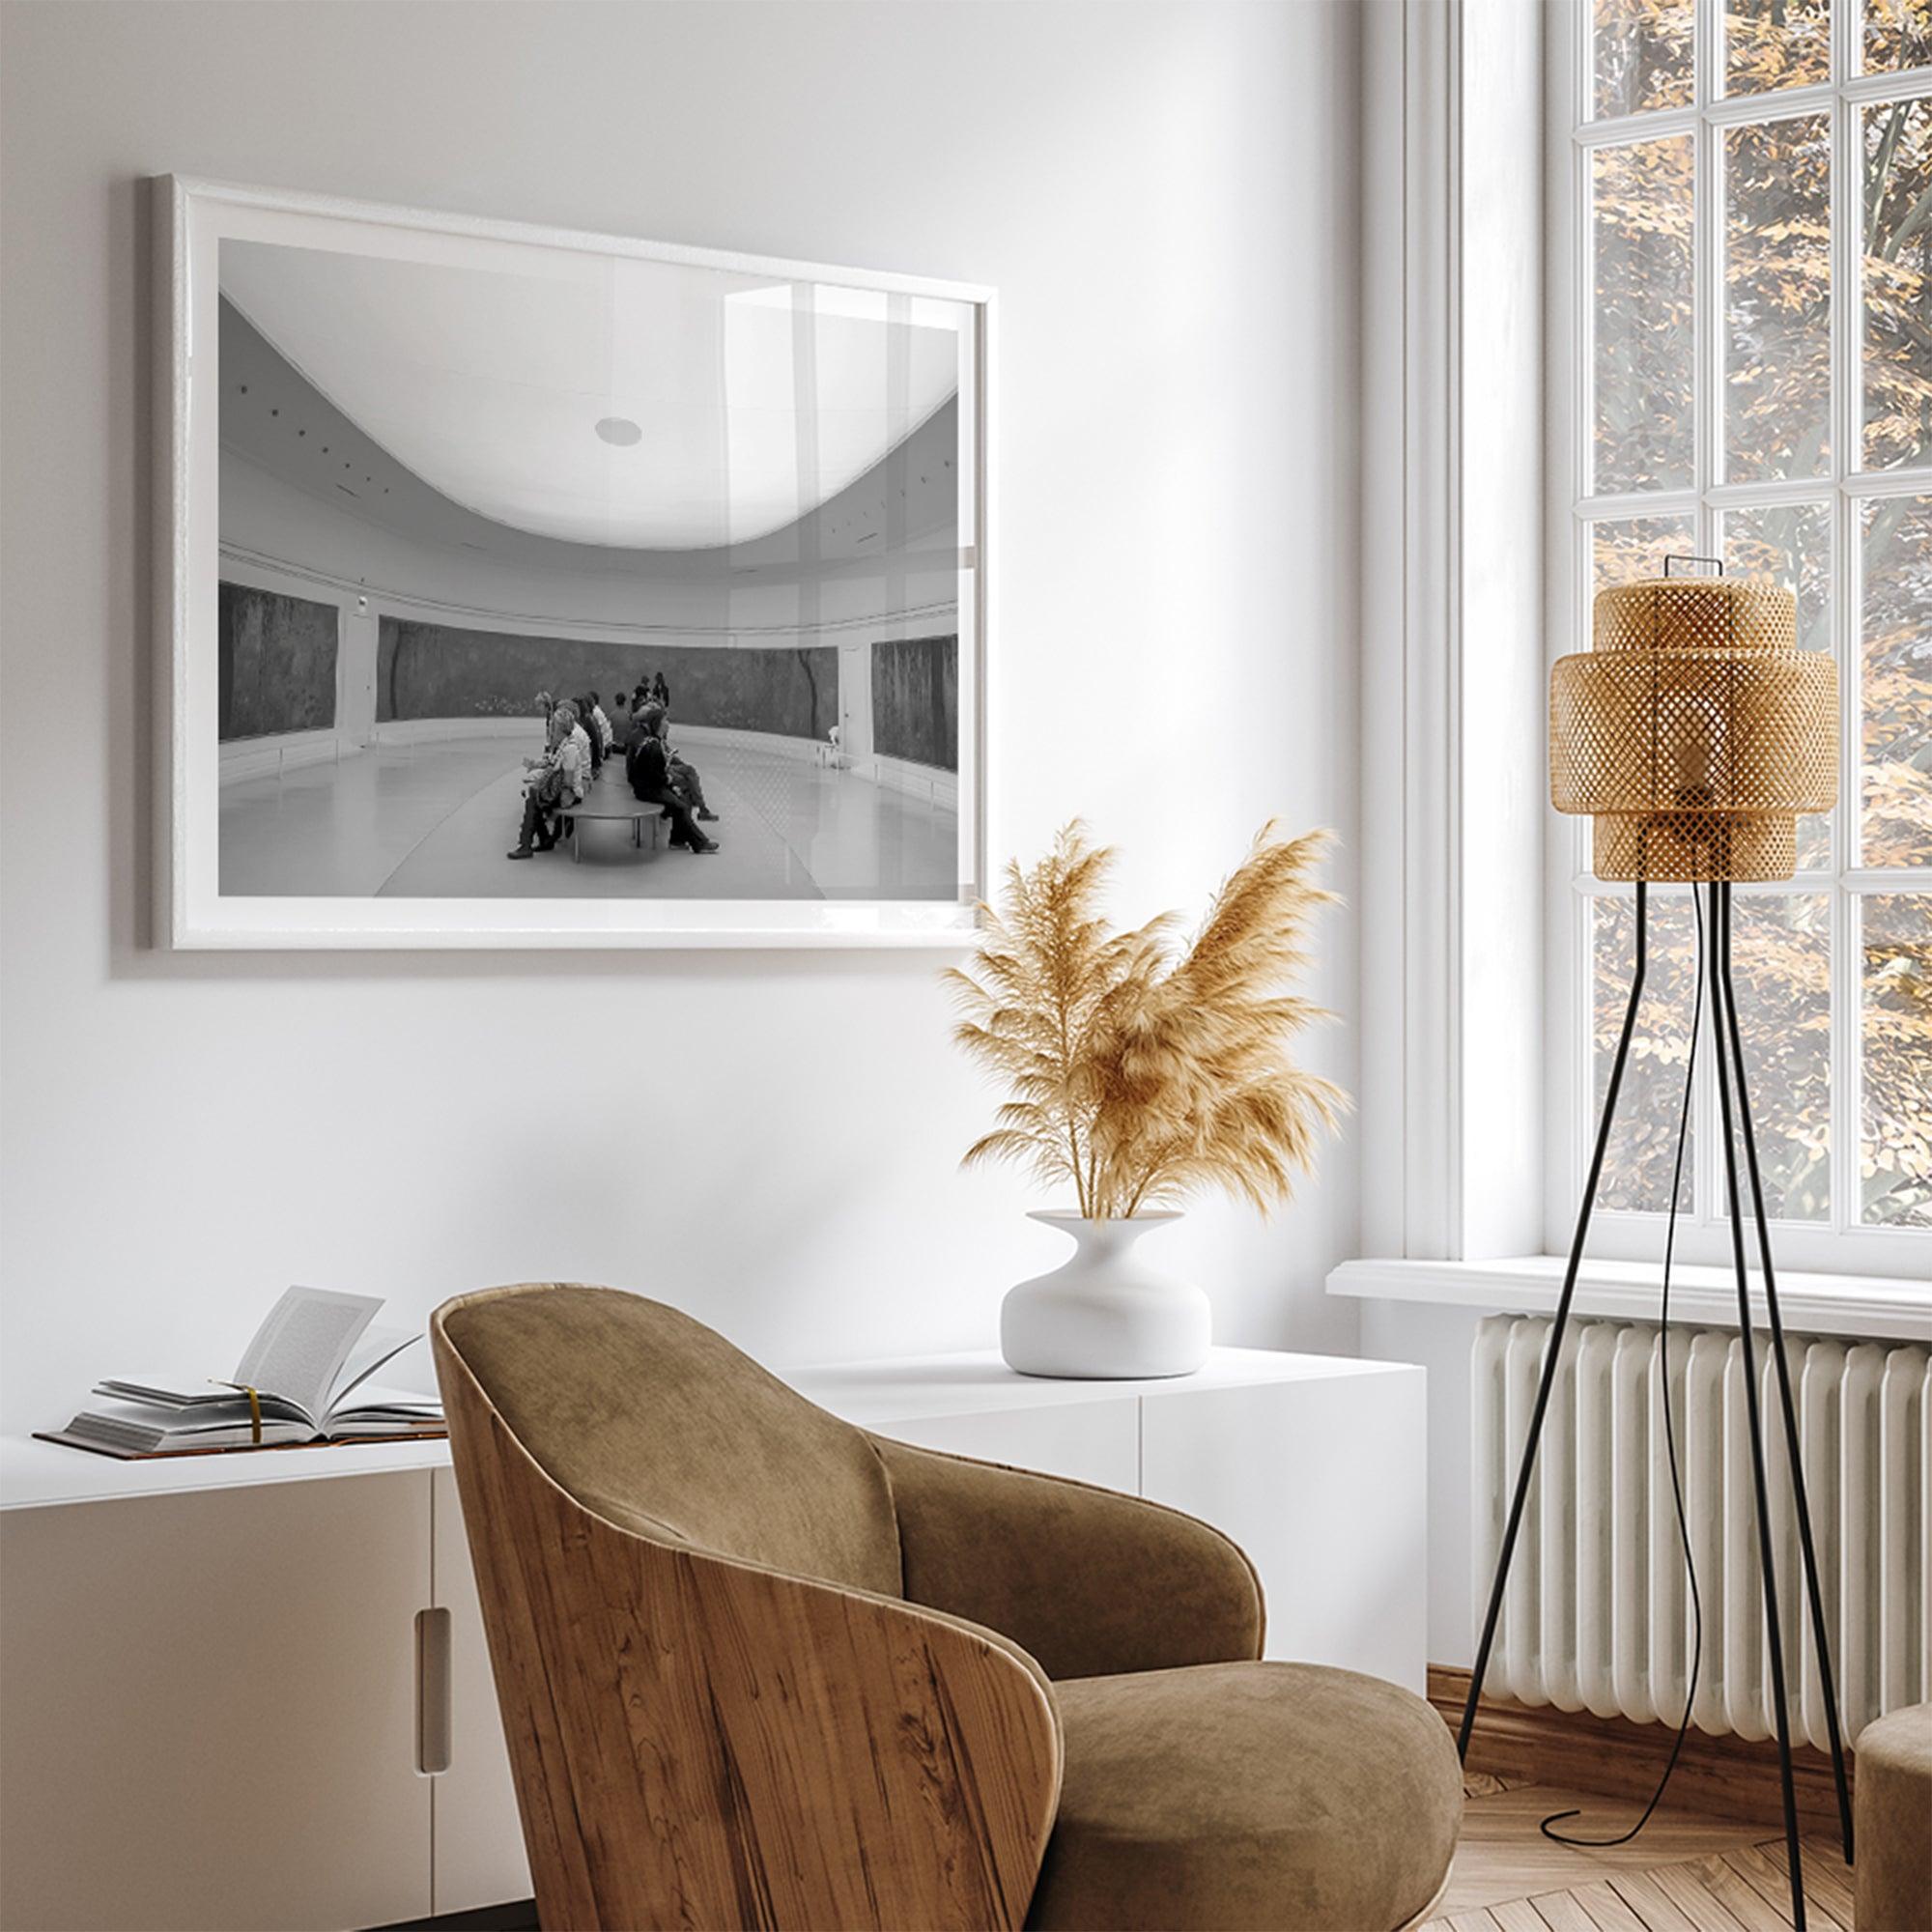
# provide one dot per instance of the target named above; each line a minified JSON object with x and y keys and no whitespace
{"x":226,"y":1688}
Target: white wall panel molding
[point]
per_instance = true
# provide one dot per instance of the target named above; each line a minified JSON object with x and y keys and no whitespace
{"x":1451,"y":593}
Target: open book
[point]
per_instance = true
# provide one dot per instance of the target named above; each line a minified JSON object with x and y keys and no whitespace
{"x":309,"y":1368}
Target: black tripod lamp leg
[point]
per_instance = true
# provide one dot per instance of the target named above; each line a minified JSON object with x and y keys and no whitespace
{"x":1732,"y":1043}
{"x":1774,"y":1636}
{"x":1553,"y":1351}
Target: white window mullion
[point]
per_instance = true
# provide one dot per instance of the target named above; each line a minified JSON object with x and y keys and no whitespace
{"x":1661,"y":503}
{"x":1847,"y":44}
{"x":1583,"y":199}
{"x":1737,"y":108}
{"x":1756,"y":495}
{"x":1847,"y":436}
{"x":1816,"y":881}
{"x":1708,"y":394}
{"x":1649,"y":125}
{"x":1847,"y":172}
{"x":1764,"y":495}
{"x":1911,"y":83}
{"x":1707,"y":274}
{"x":1707,"y":1157}
{"x":1847,"y":1187}
{"x":1581,"y":912}
{"x":1867,"y":484}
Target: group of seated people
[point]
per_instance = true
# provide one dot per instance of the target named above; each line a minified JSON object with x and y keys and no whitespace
{"x":578,"y":736}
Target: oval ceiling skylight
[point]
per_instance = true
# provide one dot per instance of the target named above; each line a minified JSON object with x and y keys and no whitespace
{"x":725,"y":407}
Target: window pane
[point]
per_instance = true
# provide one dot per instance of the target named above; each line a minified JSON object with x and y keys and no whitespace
{"x":1896,"y":694}
{"x":1899,"y":33}
{"x":1773,"y":43}
{"x":1782,"y":966}
{"x":1624,"y":549}
{"x":1641,"y":54}
{"x":1895,"y":1152}
{"x":1778,"y":299}
{"x":1643,"y":1138}
{"x":1791,"y":543}
{"x":1641,"y":311}
{"x":1897,"y":239}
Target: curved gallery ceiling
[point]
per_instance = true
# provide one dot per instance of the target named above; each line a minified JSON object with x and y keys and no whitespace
{"x":517,"y":396}
{"x":273,"y":420}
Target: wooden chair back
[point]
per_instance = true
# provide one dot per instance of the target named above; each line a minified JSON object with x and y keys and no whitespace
{"x":699,"y":1736}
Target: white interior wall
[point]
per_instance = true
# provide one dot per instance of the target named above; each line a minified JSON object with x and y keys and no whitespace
{"x":1166,"y":198}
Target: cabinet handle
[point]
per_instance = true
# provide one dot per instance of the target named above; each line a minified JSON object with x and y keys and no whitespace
{"x":432,"y":1692}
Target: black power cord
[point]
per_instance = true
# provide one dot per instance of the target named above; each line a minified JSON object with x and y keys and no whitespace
{"x":1669,"y":1438}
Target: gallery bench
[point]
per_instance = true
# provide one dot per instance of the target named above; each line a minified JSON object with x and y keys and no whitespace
{"x":613,"y":801}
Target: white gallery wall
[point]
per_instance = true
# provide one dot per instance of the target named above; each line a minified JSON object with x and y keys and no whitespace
{"x":1166,"y":199}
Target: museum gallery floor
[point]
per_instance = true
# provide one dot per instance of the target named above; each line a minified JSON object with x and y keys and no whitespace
{"x":434,"y":820}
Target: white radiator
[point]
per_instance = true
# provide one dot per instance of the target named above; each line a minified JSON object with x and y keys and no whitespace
{"x":1597,"y":1616}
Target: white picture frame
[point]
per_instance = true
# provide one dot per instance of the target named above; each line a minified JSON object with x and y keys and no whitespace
{"x":191,"y":219}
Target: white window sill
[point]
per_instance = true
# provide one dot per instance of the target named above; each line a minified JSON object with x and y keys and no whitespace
{"x":1811,"y":1304}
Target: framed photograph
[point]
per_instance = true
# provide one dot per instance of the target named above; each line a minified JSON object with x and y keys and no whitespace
{"x":523,"y":587}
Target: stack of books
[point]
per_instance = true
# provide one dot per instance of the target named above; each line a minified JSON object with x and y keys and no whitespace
{"x":305,"y":1377}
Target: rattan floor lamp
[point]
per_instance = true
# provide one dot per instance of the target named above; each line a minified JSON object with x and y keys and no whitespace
{"x":1694,"y":733}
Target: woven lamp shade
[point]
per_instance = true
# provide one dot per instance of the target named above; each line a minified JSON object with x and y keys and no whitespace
{"x":1696,"y":731}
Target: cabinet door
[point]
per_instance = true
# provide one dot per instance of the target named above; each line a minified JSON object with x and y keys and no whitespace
{"x":1091,"y":1441}
{"x":1321,"y":1481}
{"x":211,"y":1709}
{"x":479,"y":1840}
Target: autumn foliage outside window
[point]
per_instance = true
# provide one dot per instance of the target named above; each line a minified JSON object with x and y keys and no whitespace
{"x":1753,"y":186}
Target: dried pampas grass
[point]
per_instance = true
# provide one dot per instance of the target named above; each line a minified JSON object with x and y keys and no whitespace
{"x":1139,"y":1069}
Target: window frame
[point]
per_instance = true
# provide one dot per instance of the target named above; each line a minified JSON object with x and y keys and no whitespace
{"x":1846,"y":1244}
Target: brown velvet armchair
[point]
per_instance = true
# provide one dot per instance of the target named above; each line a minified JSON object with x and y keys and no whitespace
{"x":758,"y":1667}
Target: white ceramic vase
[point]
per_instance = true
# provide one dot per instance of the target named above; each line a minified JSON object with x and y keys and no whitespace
{"x":1104,"y":1314}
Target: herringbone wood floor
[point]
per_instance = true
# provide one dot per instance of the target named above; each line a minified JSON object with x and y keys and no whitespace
{"x":1688,"y":1872}
{"x":1685,"y":1872}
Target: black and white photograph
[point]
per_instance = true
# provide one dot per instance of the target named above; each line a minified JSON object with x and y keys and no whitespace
{"x":581,"y":580}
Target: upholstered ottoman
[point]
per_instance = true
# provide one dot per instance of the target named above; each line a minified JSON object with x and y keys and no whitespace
{"x":1895,"y":1823}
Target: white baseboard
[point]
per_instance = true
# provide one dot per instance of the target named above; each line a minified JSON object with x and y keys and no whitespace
{"x":269,"y":757}
{"x":927,"y":781}
{"x":407,"y":732}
